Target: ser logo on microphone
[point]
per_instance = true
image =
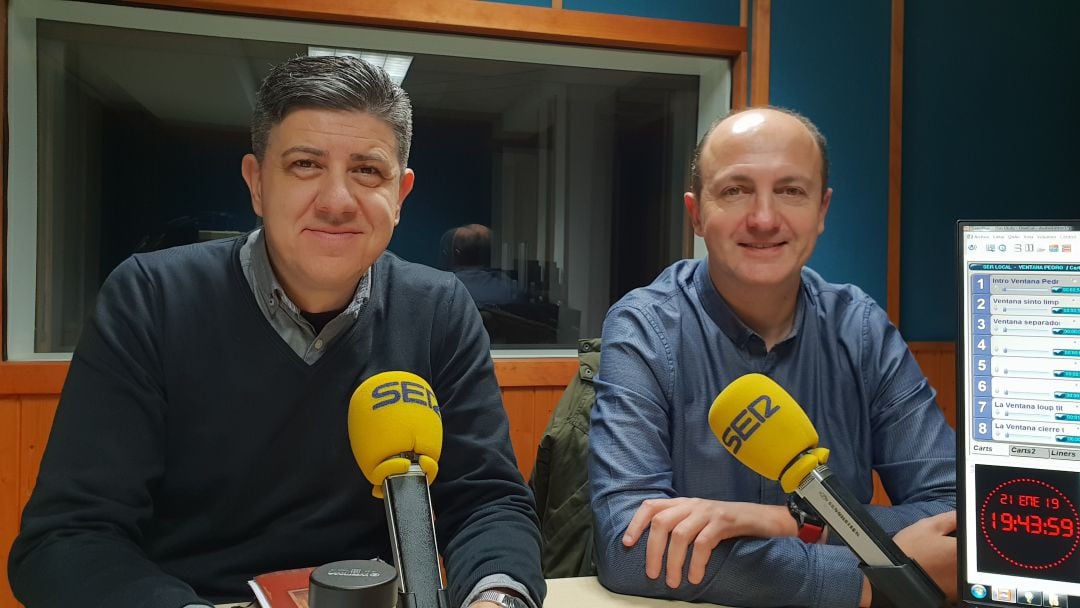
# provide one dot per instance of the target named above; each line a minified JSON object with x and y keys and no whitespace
{"x":403,"y":391}
{"x":747,"y":422}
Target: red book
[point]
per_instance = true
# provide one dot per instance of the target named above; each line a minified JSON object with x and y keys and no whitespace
{"x":282,"y":589}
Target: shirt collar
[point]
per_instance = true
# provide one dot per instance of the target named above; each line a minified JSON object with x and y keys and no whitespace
{"x":720,"y":312}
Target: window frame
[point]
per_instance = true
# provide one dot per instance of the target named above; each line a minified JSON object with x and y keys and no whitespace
{"x":714,"y":99}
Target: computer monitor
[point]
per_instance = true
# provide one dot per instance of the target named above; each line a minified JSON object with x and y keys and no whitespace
{"x":1018,"y":413}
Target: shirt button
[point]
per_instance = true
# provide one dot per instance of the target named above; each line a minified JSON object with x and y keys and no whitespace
{"x":318,"y":344}
{"x":272,"y":301}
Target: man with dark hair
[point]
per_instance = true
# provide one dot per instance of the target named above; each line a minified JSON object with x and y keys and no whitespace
{"x":471,"y":247}
{"x":201,"y":436}
{"x":679,"y":517}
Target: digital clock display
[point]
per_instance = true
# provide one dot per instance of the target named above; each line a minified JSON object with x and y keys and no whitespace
{"x":1028,"y":522}
{"x":1052,"y":525}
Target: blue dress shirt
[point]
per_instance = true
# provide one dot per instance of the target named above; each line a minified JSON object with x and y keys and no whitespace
{"x":671,"y":347}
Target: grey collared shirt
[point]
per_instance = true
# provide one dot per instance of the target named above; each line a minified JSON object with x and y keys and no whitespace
{"x":283,"y":314}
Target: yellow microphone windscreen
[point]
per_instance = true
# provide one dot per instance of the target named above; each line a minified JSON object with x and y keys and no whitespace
{"x":761,"y":425}
{"x":390,"y":414}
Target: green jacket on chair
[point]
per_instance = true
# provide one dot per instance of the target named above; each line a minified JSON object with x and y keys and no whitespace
{"x":560,"y":478}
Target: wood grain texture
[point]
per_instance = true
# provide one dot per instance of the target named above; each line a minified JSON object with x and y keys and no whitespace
{"x":11,"y":502}
{"x":24,"y":430}
{"x":535,"y":372}
{"x":740,"y":77}
{"x":519,"y":404}
{"x":32,"y":378}
{"x":759,"y":53}
{"x":473,"y":17}
{"x":543,"y":406}
{"x":896,"y":130}
{"x":37,"y":413}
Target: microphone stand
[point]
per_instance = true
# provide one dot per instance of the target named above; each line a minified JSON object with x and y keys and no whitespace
{"x":412,"y":538}
{"x":896,"y":580}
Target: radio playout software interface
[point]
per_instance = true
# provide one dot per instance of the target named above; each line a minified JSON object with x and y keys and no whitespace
{"x":1018,"y":420}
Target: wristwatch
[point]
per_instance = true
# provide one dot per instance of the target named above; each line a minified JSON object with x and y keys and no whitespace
{"x":503,"y":599}
{"x":811,"y":526}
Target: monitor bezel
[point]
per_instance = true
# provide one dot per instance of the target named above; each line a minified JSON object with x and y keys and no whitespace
{"x":961,"y":370}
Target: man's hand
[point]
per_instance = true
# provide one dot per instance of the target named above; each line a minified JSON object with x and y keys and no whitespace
{"x":927,"y":542}
{"x":677,"y":523}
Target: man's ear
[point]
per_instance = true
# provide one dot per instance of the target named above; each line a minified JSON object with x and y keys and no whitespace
{"x":825,"y":200}
{"x":694,"y":212}
{"x":250,"y":169}
{"x":408,"y":177}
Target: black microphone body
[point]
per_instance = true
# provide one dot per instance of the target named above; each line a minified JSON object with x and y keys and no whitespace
{"x":412,"y":538}
{"x":762,"y":426}
{"x":897,"y":581}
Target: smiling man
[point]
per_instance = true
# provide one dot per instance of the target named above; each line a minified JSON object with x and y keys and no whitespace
{"x":201,"y":436}
{"x":676,"y":515}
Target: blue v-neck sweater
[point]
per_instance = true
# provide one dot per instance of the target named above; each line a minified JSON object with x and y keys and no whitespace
{"x":193,"y":449}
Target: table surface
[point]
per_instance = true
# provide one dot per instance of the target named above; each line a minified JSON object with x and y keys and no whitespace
{"x":583,"y":591}
{"x":587,"y":591}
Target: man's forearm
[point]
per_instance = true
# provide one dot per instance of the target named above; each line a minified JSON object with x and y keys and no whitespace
{"x":64,"y":572}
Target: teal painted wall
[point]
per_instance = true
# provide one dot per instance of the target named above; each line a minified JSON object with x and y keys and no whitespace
{"x":829,"y":60}
{"x":991,"y":100}
{"x":991,"y":124}
{"x":720,"y":12}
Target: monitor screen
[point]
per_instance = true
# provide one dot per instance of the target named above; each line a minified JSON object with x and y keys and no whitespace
{"x":1018,"y":413}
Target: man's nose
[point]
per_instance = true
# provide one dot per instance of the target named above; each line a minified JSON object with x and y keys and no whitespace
{"x":762,"y":214}
{"x":336,"y":200}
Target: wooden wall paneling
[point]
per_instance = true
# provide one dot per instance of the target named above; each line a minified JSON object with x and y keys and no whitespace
{"x":32,"y":378}
{"x":759,"y":53}
{"x":513,"y":373}
{"x":544,"y":401}
{"x":739,"y":76}
{"x":10,"y":498}
{"x":498,"y":20}
{"x":543,"y":406}
{"x":740,"y":66}
{"x":529,"y":409}
{"x":37,"y":418}
{"x":896,"y":130}
{"x":519,"y":409}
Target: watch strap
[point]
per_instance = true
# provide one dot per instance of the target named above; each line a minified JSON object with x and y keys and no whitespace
{"x":810,"y":533}
{"x":503,"y":599}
